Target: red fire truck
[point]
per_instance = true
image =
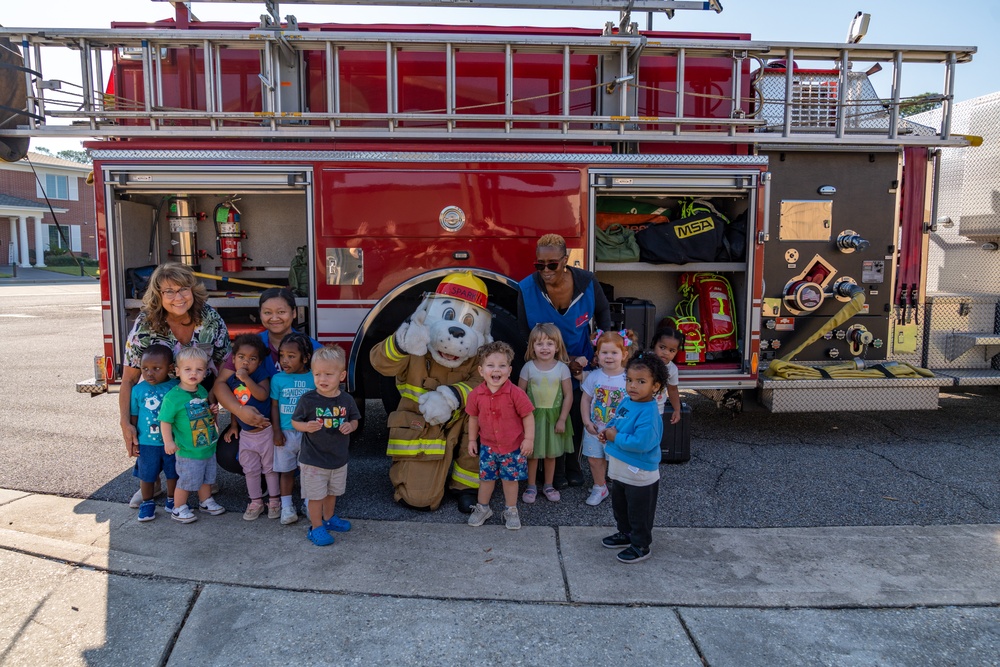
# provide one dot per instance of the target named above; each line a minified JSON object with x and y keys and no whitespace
{"x":393,"y":155}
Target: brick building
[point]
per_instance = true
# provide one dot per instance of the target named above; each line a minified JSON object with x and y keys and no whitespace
{"x":30,"y":223}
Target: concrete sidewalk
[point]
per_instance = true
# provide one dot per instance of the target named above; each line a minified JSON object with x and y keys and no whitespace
{"x":234,"y":592}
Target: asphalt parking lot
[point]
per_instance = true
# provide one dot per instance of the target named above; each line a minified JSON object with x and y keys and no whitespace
{"x":753,"y":470}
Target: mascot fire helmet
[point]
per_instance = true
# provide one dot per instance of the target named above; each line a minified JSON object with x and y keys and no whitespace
{"x":465,"y":287}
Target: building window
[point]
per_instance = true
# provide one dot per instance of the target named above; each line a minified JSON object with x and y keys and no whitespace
{"x":55,"y":238}
{"x":57,"y":187}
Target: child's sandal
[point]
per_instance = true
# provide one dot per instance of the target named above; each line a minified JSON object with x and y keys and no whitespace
{"x":529,"y":495}
{"x":551,"y":494}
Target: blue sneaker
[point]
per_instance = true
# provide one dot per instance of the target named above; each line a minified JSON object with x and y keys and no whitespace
{"x":337,"y":525}
{"x":147,"y":510}
{"x":320,"y":537}
{"x":169,"y":505}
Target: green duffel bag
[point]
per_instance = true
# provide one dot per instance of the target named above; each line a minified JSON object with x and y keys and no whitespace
{"x":616,"y":244}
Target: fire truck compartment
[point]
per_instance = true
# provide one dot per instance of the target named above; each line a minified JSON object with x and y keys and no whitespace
{"x":175,"y":214}
{"x":648,"y":197}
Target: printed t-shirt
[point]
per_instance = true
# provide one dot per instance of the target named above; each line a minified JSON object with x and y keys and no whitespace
{"x":146,"y":401}
{"x":327,"y":447}
{"x":606,"y":393}
{"x":243,"y":395}
{"x":193,"y":425}
{"x":287,"y":388}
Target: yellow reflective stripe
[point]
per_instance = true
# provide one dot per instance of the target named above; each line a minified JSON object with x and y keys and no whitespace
{"x":465,"y":477}
{"x":410,"y":391}
{"x":463,"y":389}
{"x":392,"y":352}
{"x":430,"y":446}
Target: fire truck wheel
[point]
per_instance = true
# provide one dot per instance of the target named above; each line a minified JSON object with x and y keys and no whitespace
{"x":505,"y":328}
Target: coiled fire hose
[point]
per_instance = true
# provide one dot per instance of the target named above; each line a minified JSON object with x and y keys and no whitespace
{"x":783,"y":369}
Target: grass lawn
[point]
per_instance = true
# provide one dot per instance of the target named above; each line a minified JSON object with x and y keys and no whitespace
{"x":91,"y":271}
{"x":5,"y":275}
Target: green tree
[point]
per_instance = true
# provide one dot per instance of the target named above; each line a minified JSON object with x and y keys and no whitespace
{"x":919,"y":103}
{"x":75,"y":156}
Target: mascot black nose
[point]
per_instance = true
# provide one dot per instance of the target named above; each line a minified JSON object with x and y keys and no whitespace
{"x":457,"y":332}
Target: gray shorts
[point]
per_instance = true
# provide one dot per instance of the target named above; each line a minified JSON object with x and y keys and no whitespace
{"x":286,"y":459}
{"x":192,"y":473}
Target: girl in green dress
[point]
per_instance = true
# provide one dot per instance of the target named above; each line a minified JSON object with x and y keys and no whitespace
{"x":546,"y":378}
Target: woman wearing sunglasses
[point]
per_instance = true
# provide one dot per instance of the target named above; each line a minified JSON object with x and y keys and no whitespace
{"x":573,"y":300}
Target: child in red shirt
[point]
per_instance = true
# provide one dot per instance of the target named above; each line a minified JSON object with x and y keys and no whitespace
{"x":501,"y":417}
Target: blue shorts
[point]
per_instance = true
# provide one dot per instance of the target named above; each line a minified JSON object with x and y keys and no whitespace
{"x":510,"y":467}
{"x":152,"y":460}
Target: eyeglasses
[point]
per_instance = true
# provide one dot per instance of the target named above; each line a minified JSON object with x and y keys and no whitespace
{"x":551,"y":266}
{"x":170,"y":293}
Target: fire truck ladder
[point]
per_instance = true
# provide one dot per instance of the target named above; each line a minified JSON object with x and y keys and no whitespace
{"x":785,"y":105}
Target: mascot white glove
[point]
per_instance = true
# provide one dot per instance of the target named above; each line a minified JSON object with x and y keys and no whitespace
{"x":413,"y":336}
{"x":437,"y":406}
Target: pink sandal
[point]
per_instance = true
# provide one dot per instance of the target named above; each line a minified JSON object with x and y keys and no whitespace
{"x":529,"y":495}
{"x":551,"y":494}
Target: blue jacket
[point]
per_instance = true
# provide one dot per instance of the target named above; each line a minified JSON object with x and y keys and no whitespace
{"x":589,"y":303}
{"x":640,"y":430}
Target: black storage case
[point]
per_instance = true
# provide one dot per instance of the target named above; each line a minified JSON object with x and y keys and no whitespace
{"x":638,"y":315}
{"x":675,"y":446}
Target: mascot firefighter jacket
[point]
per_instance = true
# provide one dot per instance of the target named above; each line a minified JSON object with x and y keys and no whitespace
{"x":422,"y":453}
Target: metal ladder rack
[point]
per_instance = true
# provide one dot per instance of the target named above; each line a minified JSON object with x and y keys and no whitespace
{"x":91,"y":113}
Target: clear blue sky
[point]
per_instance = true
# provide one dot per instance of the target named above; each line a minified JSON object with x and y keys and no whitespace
{"x":963,"y":23}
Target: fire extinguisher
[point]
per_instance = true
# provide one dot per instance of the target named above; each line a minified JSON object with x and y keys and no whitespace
{"x":230,"y":236}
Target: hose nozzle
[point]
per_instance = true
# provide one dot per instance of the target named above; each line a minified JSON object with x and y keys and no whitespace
{"x":847,"y":289}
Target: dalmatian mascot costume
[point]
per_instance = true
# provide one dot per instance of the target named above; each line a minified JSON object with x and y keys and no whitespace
{"x":432,"y":356}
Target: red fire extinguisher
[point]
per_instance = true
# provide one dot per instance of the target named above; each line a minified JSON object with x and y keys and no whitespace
{"x":227,"y":225}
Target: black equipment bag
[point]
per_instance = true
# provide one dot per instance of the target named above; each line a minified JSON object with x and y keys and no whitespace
{"x":696,"y":238}
{"x":638,"y":315}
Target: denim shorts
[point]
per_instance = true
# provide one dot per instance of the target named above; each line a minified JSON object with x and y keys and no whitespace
{"x":153,"y":460}
{"x":192,"y":473}
{"x":511,"y":467}
{"x":592,"y":447}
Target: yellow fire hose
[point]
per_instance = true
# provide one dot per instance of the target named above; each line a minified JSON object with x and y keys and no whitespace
{"x":783,"y":369}
{"x":239,"y":281}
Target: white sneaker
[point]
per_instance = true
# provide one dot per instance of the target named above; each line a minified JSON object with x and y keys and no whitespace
{"x":511,"y":519}
{"x":480,"y":513}
{"x":597,"y":494}
{"x":183,"y":514}
{"x":289,"y":515}
{"x":211,"y":507}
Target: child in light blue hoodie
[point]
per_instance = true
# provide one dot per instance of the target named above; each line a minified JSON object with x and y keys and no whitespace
{"x":632,"y":445}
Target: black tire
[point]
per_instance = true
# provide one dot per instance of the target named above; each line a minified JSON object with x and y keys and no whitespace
{"x":505,"y":328}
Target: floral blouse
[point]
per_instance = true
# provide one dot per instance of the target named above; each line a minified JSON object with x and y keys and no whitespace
{"x":211,"y":335}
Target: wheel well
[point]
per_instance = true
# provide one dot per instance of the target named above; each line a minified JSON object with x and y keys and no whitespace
{"x":395,"y":307}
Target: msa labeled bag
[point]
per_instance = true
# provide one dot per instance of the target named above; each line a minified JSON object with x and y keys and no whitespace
{"x":695,"y":237}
